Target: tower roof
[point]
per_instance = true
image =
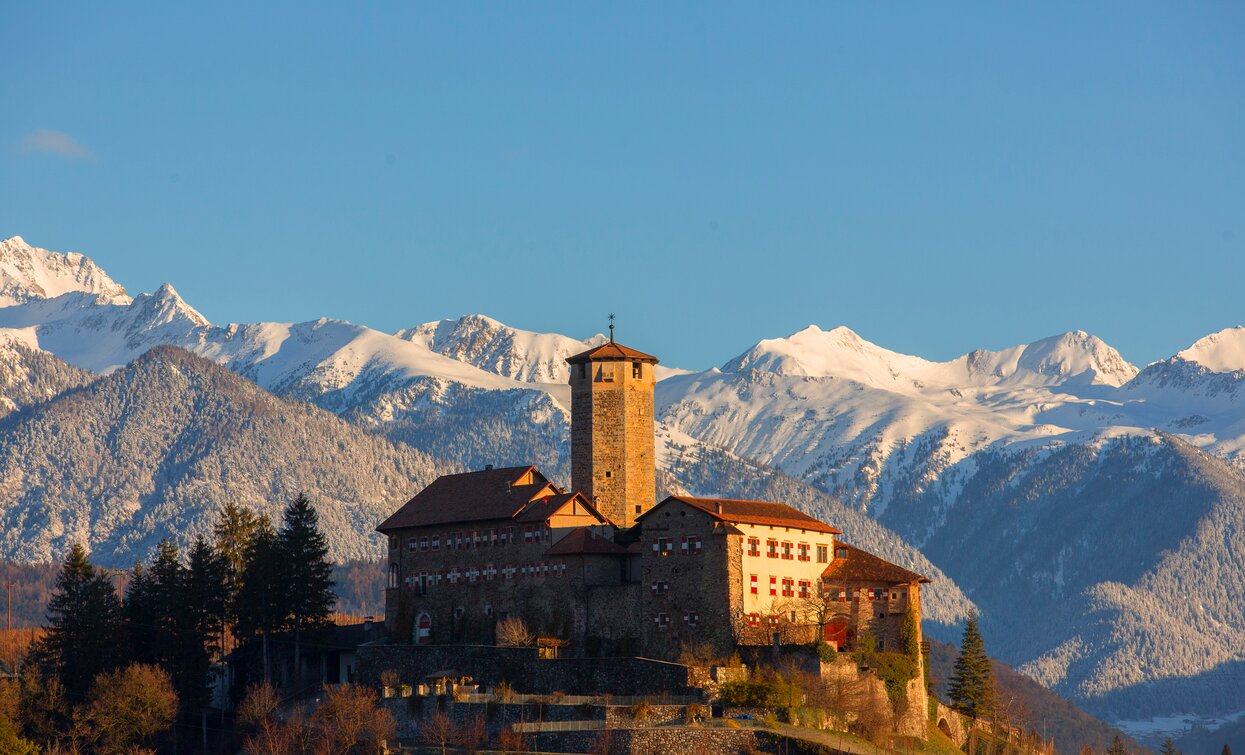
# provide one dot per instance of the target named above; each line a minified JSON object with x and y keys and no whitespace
{"x":611,"y":352}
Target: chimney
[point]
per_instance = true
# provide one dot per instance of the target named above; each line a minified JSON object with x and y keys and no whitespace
{"x":718,"y":505}
{"x":368,"y":626}
{"x":488,"y":467}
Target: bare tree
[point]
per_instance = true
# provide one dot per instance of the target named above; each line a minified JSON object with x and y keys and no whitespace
{"x":513,"y":633}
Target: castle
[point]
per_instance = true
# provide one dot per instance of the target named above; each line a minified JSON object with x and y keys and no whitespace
{"x":606,"y":570}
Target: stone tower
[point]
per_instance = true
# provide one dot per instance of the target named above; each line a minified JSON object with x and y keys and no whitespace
{"x":612,"y":460}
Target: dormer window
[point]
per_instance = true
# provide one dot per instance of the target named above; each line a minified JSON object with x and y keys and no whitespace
{"x":637,"y":370}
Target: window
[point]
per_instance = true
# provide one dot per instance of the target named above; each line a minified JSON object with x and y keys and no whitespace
{"x":423,"y":544}
{"x":877,"y":594}
{"x":662,"y":620}
{"x":663,"y":546}
{"x":773,"y":585}
{"x":842,"y":553}
{"x":754,"y":546}
{"x":786,"y":550}
{"x":424,"y":581}
{"x":393,"y":575}
{"x":459,"y":611}
{"x":637,"y":371}
{"x":411,"y":544}
{"x":393,"y":542}
{"x":691,"y":545}
{"x":753,"y":582}
{"x":788,"y":587}
{"x":823,"y":554}
{"x":754,"y":620}
{"x":660,"y":588}
{"x":527,"y":534}
{"x":691,"y":618}
{"x":771,"y":548}
{"x":637,"y":508}
{"x":801,"y":552}
{"x":488,"y":610}
{"x":608,"y":474}
{"x":436,"y":542}
{"x":804,"y":588}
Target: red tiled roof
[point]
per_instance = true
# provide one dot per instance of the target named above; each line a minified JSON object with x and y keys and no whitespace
{"x":752,"y":512}
{"x":471,"y":496}
{"x":582,"y":540}
{"x":862,"y":566}
{"x":611,"y":352}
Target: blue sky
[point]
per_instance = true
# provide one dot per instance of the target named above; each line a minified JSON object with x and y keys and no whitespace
{"x":937,"y":177}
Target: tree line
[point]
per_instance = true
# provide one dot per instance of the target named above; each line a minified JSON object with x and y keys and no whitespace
{"x":107,"y":660}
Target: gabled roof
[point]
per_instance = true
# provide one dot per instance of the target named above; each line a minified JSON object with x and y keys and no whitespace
{"x":862,"y":566}
{"x":542,"y":508}
{"x":611,"y":352}
{"x":471,"y":497}
{"x":765,"y":513}
{"x":583,"y":540}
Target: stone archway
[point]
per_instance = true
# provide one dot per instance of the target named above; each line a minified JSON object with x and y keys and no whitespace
{"x":945,"y":728}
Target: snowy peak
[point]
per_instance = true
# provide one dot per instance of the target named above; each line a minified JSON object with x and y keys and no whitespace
{"x":1218,"y":352}
{"x":494,"y":347}
{"x":1070,"y":358}
{"x":166,"y":306}
{"x":28,"y":273}
{"x":838,"y":352}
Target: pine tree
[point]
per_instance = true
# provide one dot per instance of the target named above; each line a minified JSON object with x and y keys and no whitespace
{"x":1169,"y":747}
{"x":1117,"y":747}
{"x":1226,"y":750}
{"x":139,"y":618}
{"x":83,"y":624}
{"x":206,"y":594}
{"x":262,"y":600}
{"x":232,"y":537}
{"x":308,"y":573}
{"x":971,"y":687}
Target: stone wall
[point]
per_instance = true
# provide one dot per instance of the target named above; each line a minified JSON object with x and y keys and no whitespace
{"x":655,"y":741}
{"x":683,"y":585}
{"x":521,"y":668}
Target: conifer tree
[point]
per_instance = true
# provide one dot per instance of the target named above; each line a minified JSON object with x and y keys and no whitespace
{"x":139,"y":618}
{"x":1169,"y":747}
{"x":308,"y":573}
{"x":83,"y":623}
{"x":232,"y":537}
{"x":1226,"y":750}
{"x":206,"y":594}
{"x":1117,"y":747}
{"x":262,"y":600}
{"x":971,"y":687}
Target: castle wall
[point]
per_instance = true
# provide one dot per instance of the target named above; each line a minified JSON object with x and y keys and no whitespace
{"x":688,"y":595}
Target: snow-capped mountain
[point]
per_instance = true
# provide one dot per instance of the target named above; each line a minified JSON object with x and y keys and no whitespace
{"x":1014,"y":470}
{"x":156,"y":449}
{"x":498,"y":348}
{"x":28,"y":272}
{"x":1070,"y":358}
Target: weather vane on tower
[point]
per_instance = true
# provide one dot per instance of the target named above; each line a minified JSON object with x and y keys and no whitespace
{"x":611,"y":327}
